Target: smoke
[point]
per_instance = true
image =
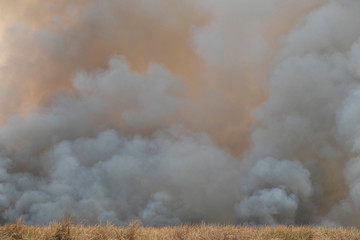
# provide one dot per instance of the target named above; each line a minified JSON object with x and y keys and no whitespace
{"x":275,"y":191}
{"x":180,"y":111}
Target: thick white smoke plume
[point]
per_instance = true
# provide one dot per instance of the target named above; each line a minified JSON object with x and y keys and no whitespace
{"x":235,"y":111}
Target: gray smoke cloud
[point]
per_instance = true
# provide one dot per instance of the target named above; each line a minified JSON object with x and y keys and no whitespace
{"x":171,"y":112}
{"x":73,"y":159}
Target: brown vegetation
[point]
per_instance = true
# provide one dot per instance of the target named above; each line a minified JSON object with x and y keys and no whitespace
{"x":66,"y":231}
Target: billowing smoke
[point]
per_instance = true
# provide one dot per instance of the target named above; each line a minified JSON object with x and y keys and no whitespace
{"x":235,"y":111}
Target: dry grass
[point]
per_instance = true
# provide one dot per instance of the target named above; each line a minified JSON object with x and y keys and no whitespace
{"x":67,"y":231}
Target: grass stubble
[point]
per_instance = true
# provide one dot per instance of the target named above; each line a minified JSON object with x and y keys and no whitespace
{"x":66,"y":231}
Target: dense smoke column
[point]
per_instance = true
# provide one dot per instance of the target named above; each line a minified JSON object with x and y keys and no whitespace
{"x":303,"y":121}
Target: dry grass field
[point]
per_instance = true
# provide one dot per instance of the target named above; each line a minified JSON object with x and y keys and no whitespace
{"x":67,"y":231}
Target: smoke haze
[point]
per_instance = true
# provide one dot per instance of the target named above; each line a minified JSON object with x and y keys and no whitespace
{"x":235,"y":111}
